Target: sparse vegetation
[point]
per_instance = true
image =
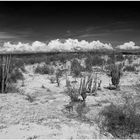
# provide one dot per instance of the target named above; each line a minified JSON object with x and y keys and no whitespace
{"x":9,"y":73}
{"x":122,"y":121}
{"x":73,"y":93}
{"x":30,"y":98}
{"x":11,"y":88}
{"x":17,"y":63}
{"x":91,"y":85}
{"x":76,"y":68}
{"x":15,"y":75}
{"x":45,"y":69}
{"x":93,"y":60}
{"x":130,"y":68}
{"x":115,"y":73}
{"x":52,"y":79}
{"x":58,"y":75}
{"x":119,"y":57}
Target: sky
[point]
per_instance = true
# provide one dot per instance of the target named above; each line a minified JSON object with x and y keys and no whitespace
{"x":109,"y":22}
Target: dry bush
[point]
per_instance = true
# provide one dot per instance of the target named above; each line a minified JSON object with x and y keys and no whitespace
{"x":122,"y":121}
{"x":30,"y":98}
{"x":17,"y":63}
{"x":52,"y":79}
{"x":73,"y":93}
{"x":11,"y":88}
{"x":115,"y":76}
{"x":76,"y":68}
{"x":93,"y":60}
{"x":28,"y":60}
{"x":130,"y":68}
{"x":45,"y":69}
{"x":58,"y":74}
{"x":15,"y":75}
{"x":115,"y":72}
{"x":129,"y":58}
{"x":120,"y":57}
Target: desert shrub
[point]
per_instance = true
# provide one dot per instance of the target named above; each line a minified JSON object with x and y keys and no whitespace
{"x":129,"y":58}
{"x":93,"y":60}
{"x":88,"y":63}
{"x":112,"y":59}
{"x":61,"y":57}
{"x":119,"y":57}
{"x":72,"y":92}
{"x":115,"y":73}
{"x":52,"y":79}
{"x":121,"y":121}
{"x":130,"y":68}
{"x":30,"y":98}
{"x":15,"y":75}
{"x":17,"y":63}
{"x":76,"y":68}
{"x":11,"y":88}
{"x":16,"y":68}
{"x":45,"y":69}
{"x":30,"y":60}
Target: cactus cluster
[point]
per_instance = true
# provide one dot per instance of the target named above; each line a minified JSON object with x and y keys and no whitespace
{"x":92,"y":84}
{"x":88,"y":84}
{"x":4,"y":73}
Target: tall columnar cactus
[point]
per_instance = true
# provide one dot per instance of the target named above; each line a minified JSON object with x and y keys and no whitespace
{"x":4,"y":75}
{"x":82,"y":88}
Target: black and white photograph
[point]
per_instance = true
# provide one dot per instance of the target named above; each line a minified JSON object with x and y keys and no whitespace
{"x":69,"y":70}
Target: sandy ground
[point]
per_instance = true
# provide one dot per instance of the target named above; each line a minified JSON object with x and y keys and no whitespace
{"x":47,"y":117}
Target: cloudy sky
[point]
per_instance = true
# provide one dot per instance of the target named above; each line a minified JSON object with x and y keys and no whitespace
{"x":109,"y":22}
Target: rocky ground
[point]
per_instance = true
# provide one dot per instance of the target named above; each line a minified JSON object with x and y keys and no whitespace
{"x":38,"y":109}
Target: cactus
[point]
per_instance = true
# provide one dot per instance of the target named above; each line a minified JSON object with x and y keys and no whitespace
{"x":58,"y":75}
{"x":83,"y":94}
{"x":4,"y":75}
{"x":94,"y":86}
{"x":86,"y":86}
{"x":99,"y":84}
{"x":115,"y":75}
{"x":83,"y":88}
{"x":89,"y":87}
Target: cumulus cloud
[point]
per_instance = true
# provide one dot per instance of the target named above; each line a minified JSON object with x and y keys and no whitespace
{"x":38,"y":46}
{"x":16,"y":47}
{"x":128,"y":46}
{"x":35,"y":46}
{"x":56,"y":45}
{"x":74,"y":44}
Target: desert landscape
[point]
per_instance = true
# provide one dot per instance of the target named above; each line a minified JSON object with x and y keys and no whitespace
{"x":69,"y":70}
{"x":71,"y":97}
